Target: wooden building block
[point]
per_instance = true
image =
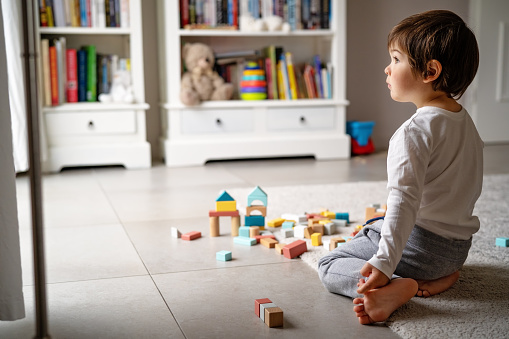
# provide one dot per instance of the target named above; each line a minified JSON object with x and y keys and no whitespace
{"x":244,"y":241}
{"x":288,"y":224}
{"x":370,"y":212}
{"x":244,"y":231}
{"x":286,"y":233}
{"x":339,"y":222}
{"x":214,"y":226}
{"x":268,"y":242}
{"x":329,"y":214}
{"x":343,"y":216}
{"x":502,"y":242}
{"x":262,"y":309}
{"x":175,"y":233}
{"x":329,"y":229}
{"x":334,"y":242}
{"x":314,"y":221}
{"x":316,"y":239}
{"x":259,"y":208}
{"x":260,"y":237}
{"x":213,"y":213}
{"x":298,"y":231}
{"x":276,"y":222}
{"x":274,"y":317}
{"x":254,"y":220}
{"x":279,"y":247}
{"x":308,"y":231}
{"x":257,"y":194}
{"x":224,"y":256}
{"x":295,"y":249}
{"x":254,"y":231}
{"x":191,"y":235}
{"x":226,"y":206}
{"x":258,"y":302}
{"x":235,"y":226}
{"x":298,"y":218}
{"x":318,"y":229}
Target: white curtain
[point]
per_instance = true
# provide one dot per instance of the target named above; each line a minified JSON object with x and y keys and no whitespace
{"x":12,"y":305}
{"x":13,"y":26}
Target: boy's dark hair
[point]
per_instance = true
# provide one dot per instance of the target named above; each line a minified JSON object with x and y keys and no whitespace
{"x":440,"y":35}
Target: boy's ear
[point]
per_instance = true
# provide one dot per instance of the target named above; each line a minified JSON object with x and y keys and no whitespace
{"x":433,"y":71}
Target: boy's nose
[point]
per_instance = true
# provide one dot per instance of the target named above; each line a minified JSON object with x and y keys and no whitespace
{"x":386,"y":70}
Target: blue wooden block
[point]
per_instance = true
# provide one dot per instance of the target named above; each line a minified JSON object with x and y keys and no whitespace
{"x":288,"y":224}
{"x":343,"y":216}
{"x":224,"y":256}
{"x":244,"y":241}
{"x":244,"y":231}
{"x":502,"y":242}
{"x":257,"y":194}
{"x":254,"y":220}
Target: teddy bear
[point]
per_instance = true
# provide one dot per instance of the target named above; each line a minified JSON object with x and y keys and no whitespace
{"x":199,"y":82}
{"x":121,"y":89}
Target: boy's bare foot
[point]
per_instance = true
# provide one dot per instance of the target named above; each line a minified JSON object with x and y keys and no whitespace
{"x":427,"y":288}
{"x":378,"y":304}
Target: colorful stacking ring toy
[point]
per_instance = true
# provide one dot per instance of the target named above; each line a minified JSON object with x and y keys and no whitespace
{"x":253,"y":85}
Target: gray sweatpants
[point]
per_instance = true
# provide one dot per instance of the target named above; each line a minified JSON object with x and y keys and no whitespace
{"x":427,"y":256}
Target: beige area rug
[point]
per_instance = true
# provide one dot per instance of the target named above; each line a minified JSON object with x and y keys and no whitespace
{"x":477,"y":306}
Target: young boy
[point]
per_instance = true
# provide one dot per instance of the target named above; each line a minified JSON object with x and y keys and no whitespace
{"x":434,"y":168}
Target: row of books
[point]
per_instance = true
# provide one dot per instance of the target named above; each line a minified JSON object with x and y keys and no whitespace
{"x":285,"y":79}
{"x":84,"y":13}
{"x":76,"y":75}
{"x":300,"y":14}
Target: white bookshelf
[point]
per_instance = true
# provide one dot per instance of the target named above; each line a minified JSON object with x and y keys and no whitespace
{"x":235,"y":129}
{"x":94,"y":133}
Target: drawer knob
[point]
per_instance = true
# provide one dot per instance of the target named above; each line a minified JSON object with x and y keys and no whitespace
{"x":90,"y":124}
{"x":303,"y":119}
{"x":218,"y":122}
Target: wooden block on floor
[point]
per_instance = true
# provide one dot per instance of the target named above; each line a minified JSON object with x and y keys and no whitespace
{"x":288,"y":224}
{"x":260,"y":237}
{"x":226,"y":206}
{"x":286,"y":233}
{"x":235,"y":226}
{"x":224,"y":256}
{"x":308,"y":231}
{"x":276,"y":222}
{"x":245,"y":241}
{"x":214,"y":226}
{"x":502,"y":242}
{"x":191,"y":235}
{"x":316,"y":239}
{"x":254,"y":231}
{"x":244,"y":231}
{"x":274,"y":317}
{"x":279,"y":247}
{"x":295,"y":249}
{"x":175,"y":233}
{"x":269,"y":242}
{"x":263,"y":307}
{"x":298,"y":231}
{"x":258,"y":302}
{"x":318,"y":229}
{"x":213,"y":213}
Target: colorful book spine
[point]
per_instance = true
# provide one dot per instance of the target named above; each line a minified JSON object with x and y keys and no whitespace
{"x":318,"y":75}
{"x":72,"y":75}
{"x":49,"y":13}
{"x":82,"y":75}
{"x":269,"y":76}
{"x":43,"y":16}
{"x":53,"y":74}
{"x":125,"y":20}
{"x":184,"y":13}
{"x":83,"y":13}
{"x":286,"y":81}
{"x":91,"y":73}
{"x":291,"y":76}
{"x":290,"y":8}
{"x":46,"y":74}
{"x":280,"y":87}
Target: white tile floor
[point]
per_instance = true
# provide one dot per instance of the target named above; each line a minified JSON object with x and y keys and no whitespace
{"x":113,"y":270}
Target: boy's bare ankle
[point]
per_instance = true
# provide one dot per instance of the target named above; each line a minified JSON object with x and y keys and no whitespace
{"x":427,"y":288}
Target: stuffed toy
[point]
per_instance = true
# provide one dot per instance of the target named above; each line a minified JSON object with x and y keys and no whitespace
{"x":200,"y":82}
{"x":121,"y":89}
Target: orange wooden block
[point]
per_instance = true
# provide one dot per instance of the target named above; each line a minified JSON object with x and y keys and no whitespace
{"x":259,"y":237}
{"x":191,"y":235}
{"x":258,"y":302}
{"x":268,"y":242}
{"x":213,"y":213}
{"x":295,"y":249}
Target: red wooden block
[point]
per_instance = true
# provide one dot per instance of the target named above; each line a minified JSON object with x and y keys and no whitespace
{"x":295,"y":249}
{"x":259,"y":237}
{"x":213,"y":213}
{"x":191,"y":235}
{"x":258,"y":302}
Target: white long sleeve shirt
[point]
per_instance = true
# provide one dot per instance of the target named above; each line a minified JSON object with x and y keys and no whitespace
{"x":435,"y":171}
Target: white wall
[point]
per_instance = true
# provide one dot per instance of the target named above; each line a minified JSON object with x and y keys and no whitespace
{"x":368,"y":24}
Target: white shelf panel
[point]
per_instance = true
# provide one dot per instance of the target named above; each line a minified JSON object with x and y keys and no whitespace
{"x":236,"y":33}
{"x":85,"y":30}
{"x":94,"y":106}
{"x":260,"y":103}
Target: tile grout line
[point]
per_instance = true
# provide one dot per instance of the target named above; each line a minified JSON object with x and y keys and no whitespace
{"x":139,"y":256}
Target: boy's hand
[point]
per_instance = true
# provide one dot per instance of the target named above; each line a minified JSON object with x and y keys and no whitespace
{"x":376,"y":278}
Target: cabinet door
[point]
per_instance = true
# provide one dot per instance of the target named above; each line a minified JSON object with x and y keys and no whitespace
{"x":90,"y":123}
{"x":216,"y":121}
{"x":301,"y":119}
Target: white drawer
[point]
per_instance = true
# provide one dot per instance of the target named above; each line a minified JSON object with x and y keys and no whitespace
{"x":217,"y":121}
{"x":303,"y":119}
{"x":90,"y":123}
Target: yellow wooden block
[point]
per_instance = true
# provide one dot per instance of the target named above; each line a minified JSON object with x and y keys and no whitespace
{"x":226,"y":206}
{"x":324,"y":221}
{"x":276,"y":222}
{"x":316,"y":239}
{"x":359,"y":227}
{"x":329,"y":214}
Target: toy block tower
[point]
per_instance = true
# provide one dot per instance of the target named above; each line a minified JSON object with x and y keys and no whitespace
{"x":226,"y":206}
{"x":257,"y":195}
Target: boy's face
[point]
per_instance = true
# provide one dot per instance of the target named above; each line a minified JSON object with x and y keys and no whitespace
{"x":403,"y":84}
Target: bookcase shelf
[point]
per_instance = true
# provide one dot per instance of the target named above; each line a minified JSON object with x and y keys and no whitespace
{"x":235,"y":129}
{"x":95,"y":133}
